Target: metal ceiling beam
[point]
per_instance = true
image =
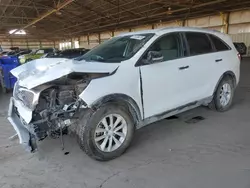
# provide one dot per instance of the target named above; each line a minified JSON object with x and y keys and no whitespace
{"x":124,"y":9}
{"x":59,"y":7}
{"x":154,"y":15}
{"x":94,"y":11}
{"x":5,"y":8}
{"x":96,"y":19}
{"x":113,"y":8}
{"x":12,"y":25}
{"x":127,"y":9}
{"x":145,"y":17}
{"x":146,"y":13}
{"x":20,"y":6}
{"x":12,"y":12}
{"x":17,"y":17}
{"x":39,"y":4}
{"x":209,"y":11}
{"x":144,"y":22}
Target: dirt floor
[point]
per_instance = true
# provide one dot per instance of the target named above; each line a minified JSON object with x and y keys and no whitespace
{"x":210,"y":153}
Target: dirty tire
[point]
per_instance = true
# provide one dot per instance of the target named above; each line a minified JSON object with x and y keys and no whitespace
{"x":216,"y":104}
{"x":86,"y":131}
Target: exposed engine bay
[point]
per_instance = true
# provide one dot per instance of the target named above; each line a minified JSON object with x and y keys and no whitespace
{"x":58,"y":105}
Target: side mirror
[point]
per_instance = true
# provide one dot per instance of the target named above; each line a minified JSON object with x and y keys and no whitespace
{"x":154,"y":57}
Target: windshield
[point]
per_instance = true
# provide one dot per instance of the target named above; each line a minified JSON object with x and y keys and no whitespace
{"x":44,"y":51}
{"x":12,"y":53}
{"x":117,"y":49}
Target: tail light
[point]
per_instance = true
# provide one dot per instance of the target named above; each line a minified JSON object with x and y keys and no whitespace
{"x":239,"y":56}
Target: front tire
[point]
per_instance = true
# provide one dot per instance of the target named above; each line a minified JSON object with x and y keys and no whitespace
{"x":223,"y":97}
{"x":106,"y":133}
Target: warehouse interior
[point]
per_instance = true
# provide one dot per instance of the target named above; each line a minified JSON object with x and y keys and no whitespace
{"x":88,"y":23}
{"x":210,"y":151}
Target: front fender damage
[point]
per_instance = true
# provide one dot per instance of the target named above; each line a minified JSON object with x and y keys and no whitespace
{"x":57,"y":109}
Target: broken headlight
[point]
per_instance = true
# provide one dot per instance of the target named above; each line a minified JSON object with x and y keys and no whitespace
{"x":28,"y":97}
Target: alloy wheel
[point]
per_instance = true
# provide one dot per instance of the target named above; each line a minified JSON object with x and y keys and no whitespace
{"x":110,"y":133}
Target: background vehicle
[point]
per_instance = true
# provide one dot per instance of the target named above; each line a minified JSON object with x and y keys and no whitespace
{"x":39,"y":53}
{"x":124,"y":84}
{"x":22,"y":52}
{"x":69,"y":53}
{"x":8,"y":62}
{"x":3,"y":53}
{"x":241,"y":48}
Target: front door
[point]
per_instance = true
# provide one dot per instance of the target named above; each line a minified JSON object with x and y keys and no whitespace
{"x":164,"y":84}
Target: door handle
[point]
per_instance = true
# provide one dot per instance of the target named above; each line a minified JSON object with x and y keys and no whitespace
{"x":218,"y":60}
{"x":183,"y":68}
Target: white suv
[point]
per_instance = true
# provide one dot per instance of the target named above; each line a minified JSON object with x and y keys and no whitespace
{"x":123,"y":84}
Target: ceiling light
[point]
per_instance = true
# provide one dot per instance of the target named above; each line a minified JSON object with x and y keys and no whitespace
{"x":169,"y":10}
{"x":19,"y":32}
{"x":58,"y":13}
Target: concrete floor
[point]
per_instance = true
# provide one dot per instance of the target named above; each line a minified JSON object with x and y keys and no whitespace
{"x":212,"y":153}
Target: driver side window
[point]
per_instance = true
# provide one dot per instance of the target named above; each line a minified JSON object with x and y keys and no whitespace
{"x":168,"y":46}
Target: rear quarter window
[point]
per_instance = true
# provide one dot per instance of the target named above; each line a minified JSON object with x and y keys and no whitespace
{"x":219,"y":44}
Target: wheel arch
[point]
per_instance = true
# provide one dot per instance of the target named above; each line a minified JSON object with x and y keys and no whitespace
{"x":225,"y":74}
{"x":123,"y":100}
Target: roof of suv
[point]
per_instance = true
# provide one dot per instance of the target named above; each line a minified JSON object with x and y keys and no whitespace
{"x":171,"y":29}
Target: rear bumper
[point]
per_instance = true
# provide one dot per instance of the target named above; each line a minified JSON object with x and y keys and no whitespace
{"x":25,"y":137}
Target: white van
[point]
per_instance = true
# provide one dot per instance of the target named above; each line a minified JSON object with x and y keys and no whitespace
{"x":123,"y":84}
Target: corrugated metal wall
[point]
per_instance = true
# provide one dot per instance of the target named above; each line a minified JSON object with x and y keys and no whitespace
{"x":242,"y":37}
{"x":238,"y":27}
{"x":6,"y":44}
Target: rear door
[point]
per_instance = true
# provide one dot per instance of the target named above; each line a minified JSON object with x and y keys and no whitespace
{"x":200,"y":59}
{"x":221,"y":59}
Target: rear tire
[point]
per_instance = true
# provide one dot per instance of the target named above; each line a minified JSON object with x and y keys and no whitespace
{"x":223,"y":96}
{"x":102,"y":141}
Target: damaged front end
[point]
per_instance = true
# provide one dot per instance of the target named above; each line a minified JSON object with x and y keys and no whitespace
{"x":49,"y":109}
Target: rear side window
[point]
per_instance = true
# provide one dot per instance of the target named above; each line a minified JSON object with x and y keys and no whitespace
{"x":218,"y":43}
{"x":198,"y":43}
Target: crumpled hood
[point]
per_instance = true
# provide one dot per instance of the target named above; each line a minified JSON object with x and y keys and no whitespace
{"x":40,"y":71}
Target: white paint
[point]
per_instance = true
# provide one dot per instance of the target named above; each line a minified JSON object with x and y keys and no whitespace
{"x":25,"y":113}
{"x":40,"y":71}
{"x":164,"y":86}
{"x":137,"y":37}
{"x":125,"y":81}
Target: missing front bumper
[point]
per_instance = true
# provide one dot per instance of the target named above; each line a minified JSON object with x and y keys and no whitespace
{"x":25,"y":137}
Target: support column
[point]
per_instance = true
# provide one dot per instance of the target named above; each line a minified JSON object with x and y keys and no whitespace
{"x":79,"y":39}
{"x":180,"y":23}
{"x":27,"y":43}
{"x":99,"y":38}
{"x":88,"y":39}
{"x":183,"y":23}
{"x":225,"y":21}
